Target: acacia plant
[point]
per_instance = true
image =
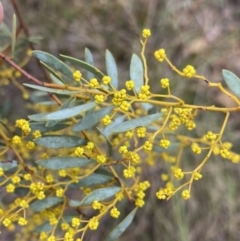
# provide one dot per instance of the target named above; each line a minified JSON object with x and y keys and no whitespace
{"x":83,"y":154}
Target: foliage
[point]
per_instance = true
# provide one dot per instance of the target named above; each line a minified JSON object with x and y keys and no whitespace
{"x":97,"y":142}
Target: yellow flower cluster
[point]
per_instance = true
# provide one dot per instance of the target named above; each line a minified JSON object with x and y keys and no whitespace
{"x":106,"y":80}
{"x":141,"y":132}
{"x":119,"y":97}
{"x":148,"y":146}
{"x":129,"y":84}
{"x":106,"y":120}
{"x":123,"y":149}
{"x":189,"y":71}
{"x":178,"y":173}
{"x":79,"y":151}
{"x":196,"y":148}
{"x":114,"y":213}
{"x":164,"y":83}
{"x":160,"y":55}
{"x":99,"y":99}
{"x":16,"y":140}
{"x":186,"y":194}
{"x":144,"y":92}
{"x":164,"y":143}
{"x":96,"y":205}
{"x":125,"y":106}
{"x":129,"y":172}
{"x":211,"y":136}
{"x":94,"y":83}
{"x":197,"y":176}
{"x":101,"y":159}
{"x":77,"y":75}
{"x":93,"y":223}
{"x":37,"y":134}
{"x":23,"y":125}
{"x":146,"y":33}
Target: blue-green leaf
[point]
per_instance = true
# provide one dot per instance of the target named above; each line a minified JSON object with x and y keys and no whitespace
{"x":37,"y":117}
{"x":68,"y":103}
{"x":51,"y":90}
{"x":112,"y":69}
{"x":55,"y":63}
{"x":48,"y":202}
{"x":117,"y":121}
{"x":45,"y":227}
{"x":89,"y":60}
{"x":43,"y":128}
{"x":8,"y":165}
{"x":61,"y":141}
{"x":84,"y":65}
{"x":136,"y":72}
{"x":91,"y":118}
{"x":109,"y":144}
{"x":232,"y":81}
{"x":98,"y":194}
{"x":116,"y":233}
{"x":14,"y":33}
{"x":93,"y":179}
{"x":134,"y":123}
{"x":69,"y":112}
{"x":58,"y":163}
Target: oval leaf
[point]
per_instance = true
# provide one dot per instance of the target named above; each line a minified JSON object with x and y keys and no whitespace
{"x":112,"y":69}
{"x":232,"y":81}
{"x":89,"y":60}
{"x":116,"y":233}
{"x":66,"y":141}
{"x":48,"y":202}
{"x":136,"y":72}
{"x":55,"y":63}
{"x":99,"y":194}
{"x":132,"y":124}
{"x":58,"y":163}
{"x":91,"y":118}
{"x":93,"y":179}
{"x":69,"y":112}
{"x":8,"y":165}
{"x":51,"y":90}
{"x":43,"y":128}
{"x":84,"y":65}
{"x":46,"y":227}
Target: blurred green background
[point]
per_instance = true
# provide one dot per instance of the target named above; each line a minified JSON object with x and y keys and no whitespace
{"x":203,"y":33}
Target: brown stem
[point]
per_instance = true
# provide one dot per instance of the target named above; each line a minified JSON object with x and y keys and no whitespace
{"x":28,"y":76}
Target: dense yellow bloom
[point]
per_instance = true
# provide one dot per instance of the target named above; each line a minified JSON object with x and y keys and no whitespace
{"x":141,"y":132}
{"x":16,"y":140}
{"x":186,"y":194}
{"x":37,"y":134}
{"x":189,"y":71}
{"x":164,"y":83}
{"x":146,"y":33}
{"x":164,"y":143}
{"x":101,"y":159}
{"x":96,"y":205}
{"x":114,"y":213}
{"x":129,"y":84}
{"x":77,"y":75}
{"x":106,"y":80}
{"x":106,"y":120}
{"x":94,"y":83}
{"x":160,"y":55}
{"x":99,"y":98}
{"x":93,"y":223}
{"x":79,"y":151}
{"x":76,"y":222}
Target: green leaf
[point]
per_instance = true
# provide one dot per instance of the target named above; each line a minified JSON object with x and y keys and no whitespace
{"x":61,"y":141}
{"x":116,"y":233}
{"x":6,"y":127}
{"x":68,"y":103}
{"x":51,"y":90}
{"x":43,"y":128}
{"x":91,"y":118}
{"x":14,"y":33}
{"x":109,"y":144}
{"x":55,"y":63}
{"x":89,"y":60}
{"x":48,"y":202}
{"x":232,"y":81}
{"x":93,"y":179}
{"x":136,"y":72}
{"x":84,"y":65}
{"x":54,"y":76}
{"x":112,"y":68}
{"x":134,"y":123}
{"x":37,"y":117}
{"x":8,"y":165}
{"x":116,"y":122}
{"x":21,"y":191}
{"x":69,"y":112}
{"x":58,"y":163}
{"x":98,"y":194}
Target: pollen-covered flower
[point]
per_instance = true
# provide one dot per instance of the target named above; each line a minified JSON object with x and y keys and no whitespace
{"x":189,"y":71}
{"x":146,"y":33}
{"x":77,"y":75}
{"x":106,"y":80}
{"x":160,"y":55}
